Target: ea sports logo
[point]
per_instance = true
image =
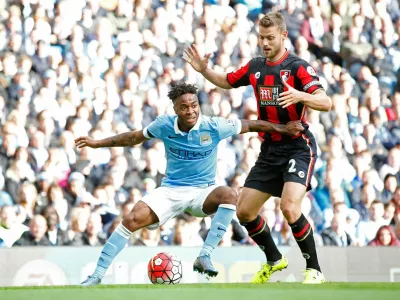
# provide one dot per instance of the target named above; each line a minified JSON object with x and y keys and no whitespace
{"x":257,"y":75}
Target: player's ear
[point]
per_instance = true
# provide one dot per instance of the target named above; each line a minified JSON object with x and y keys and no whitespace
{"x":284,"y":35}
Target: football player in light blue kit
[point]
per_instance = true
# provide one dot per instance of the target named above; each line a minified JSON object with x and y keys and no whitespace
{"x":191,"y":141}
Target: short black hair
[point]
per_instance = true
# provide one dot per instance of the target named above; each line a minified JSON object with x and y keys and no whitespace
{"x":180,"y":89}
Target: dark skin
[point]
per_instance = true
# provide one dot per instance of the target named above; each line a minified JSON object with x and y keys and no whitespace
{"x":187,"y":109}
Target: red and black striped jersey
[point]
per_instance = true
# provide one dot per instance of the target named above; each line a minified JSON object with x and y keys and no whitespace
{"x":266,"y":79}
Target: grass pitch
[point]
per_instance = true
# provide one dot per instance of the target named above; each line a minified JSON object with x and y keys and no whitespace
{"x":276,"y":291}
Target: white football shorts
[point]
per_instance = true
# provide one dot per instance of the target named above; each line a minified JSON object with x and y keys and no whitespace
{"x":168,"y":202}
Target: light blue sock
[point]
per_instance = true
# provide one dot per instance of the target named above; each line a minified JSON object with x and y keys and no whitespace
{"x":114,"y":245}
{"x":219,"y":223}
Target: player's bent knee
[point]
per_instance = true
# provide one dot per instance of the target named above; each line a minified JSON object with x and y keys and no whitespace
{"x":229,"y":197}
{"x":133,"y":221}
{"x":291,"y":212}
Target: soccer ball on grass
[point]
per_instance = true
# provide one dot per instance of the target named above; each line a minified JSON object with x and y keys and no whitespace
{"x":165,"y":268}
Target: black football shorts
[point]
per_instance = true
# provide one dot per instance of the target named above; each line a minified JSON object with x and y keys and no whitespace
{"x":280,"y":163}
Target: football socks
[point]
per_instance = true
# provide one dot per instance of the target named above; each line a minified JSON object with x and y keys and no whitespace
{"x":259,"y":231}
{"x":219,"y":223}
{"x":303,"y":234}
{"x":114,"y":245}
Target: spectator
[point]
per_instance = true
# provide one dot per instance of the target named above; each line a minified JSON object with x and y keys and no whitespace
{"x":335,"y":235}
{"x":294,"y":18}
{"x":285,"y":236}
{"x":10,"y":229}
{"x":19,"y":172}
{"x":105,"y":67}
{"x":55,"y":198}
{"x":186,"y":233}
{"x":390,"y":185}
{"x":385,"y":237}
{"x":36,"y":236}
{"x":56,"y":236}
{"x":44,"y":181}
{"x":390,"y":209}
{"x":27,"y":202}
{"x":393,"y":163}
{"x":396,"y":198}
{"x":79,"y":220}
{"x":367,"y":229}
{"x":5,"y":198}
{"x":368,"y":196}
{"x":7,"y":151}
{"x":149,"y":238}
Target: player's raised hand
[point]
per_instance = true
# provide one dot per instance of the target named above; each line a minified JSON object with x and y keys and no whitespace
{"x":192,"y":56}
{"x":294,"y":127}
{"x":85,"y":141}
{"x":291,"y":96}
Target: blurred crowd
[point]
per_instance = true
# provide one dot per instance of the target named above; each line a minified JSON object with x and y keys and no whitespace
{"x":102,"y":67}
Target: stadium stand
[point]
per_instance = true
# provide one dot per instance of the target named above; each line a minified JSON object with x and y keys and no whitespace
{"x":102,"y":67}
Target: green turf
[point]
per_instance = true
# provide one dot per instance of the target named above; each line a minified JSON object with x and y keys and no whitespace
{"x":276,"y":291}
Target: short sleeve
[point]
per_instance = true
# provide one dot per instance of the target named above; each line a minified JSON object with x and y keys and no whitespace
{"x":240,"y":77}
{"x":155,"y":129}
{"x":308,"y":78}
{"x":228,"y":127}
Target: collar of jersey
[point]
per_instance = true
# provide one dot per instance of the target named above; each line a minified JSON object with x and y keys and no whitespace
{"x":277,"y":62}
{"x":195,"y":127}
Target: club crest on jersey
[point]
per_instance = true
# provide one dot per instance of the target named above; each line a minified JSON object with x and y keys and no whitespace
{"x":284,"y":74}
{"x":268,"y":95}
{"x":257,"y":75}
{"x":205,"y":139}
{"x":311,"y":71}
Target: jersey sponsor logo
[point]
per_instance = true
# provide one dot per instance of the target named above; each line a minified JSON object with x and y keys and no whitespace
{"x":205,"y":139}
{"x":257,"y":75}
{"x":310,"y":84}
{"x":311,"y":71}
{"x":284,"y":74}
{"x":190,"y":155}
{"x":268,"y":95}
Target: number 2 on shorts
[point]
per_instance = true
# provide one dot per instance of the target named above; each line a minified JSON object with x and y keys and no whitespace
{"x":292,"y":163}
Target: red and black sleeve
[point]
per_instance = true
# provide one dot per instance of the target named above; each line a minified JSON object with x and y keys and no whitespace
{"x":308,"y":78}
{"x":240,"y":77}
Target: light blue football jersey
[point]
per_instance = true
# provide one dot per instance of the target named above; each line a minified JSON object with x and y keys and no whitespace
{"x":191,"y":156}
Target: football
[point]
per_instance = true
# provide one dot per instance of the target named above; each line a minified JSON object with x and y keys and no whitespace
{"x":165,"y":268}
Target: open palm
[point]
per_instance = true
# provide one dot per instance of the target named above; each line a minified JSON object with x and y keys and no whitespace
{"x":192,"y":56}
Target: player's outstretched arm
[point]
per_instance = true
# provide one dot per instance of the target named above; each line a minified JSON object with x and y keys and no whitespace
{"x":121,"y":140}
{"x":200,"y":64}
{"x":291,"y":128}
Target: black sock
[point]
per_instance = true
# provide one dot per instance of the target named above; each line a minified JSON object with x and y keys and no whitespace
{"x":303,"y":234}
{"x":260,"y":233}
